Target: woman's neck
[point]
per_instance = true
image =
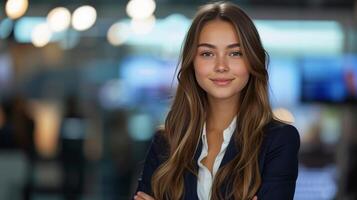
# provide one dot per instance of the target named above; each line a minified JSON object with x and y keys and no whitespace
{"x":221,"y":113}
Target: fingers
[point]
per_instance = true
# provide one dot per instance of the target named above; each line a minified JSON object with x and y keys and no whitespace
{"x":136,"y":197}
{"x":143,"y":196}
{"x":255,"y":198}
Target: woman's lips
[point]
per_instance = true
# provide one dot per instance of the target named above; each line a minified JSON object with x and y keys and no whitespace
{"x":221,"y":82}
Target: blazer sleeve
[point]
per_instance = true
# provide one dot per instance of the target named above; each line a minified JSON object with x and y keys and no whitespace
{"x":280,"y":168}
{"x":153,"y":160}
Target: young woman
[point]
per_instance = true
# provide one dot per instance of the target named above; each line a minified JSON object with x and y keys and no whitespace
{"x":220,"y":139}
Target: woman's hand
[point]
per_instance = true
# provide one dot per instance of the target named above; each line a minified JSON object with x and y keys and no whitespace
{"x":144,"y":196}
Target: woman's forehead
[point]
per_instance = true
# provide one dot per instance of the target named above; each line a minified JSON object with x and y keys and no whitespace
{"x":218,"y":32}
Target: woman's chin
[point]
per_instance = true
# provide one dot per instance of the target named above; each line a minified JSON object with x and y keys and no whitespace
{"x":222,"y":96}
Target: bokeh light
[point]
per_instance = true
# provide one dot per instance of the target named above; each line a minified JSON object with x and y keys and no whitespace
{"x":16,"y":8}
{"x":59,"y":19}
{"x":84,"y":18}
{"x":41,"y":35}
{"x":118,"y":33}
{"x":140,"y":9}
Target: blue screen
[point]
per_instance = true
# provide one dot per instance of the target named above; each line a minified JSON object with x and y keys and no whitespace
{"x":329,"y":79}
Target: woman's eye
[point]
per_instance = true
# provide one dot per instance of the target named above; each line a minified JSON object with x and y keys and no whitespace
{"x":236,"y":53}
{"x":206,"y":54}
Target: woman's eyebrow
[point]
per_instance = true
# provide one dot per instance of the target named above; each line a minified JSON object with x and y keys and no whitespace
{"x":207,"y":45}
{"x":233,"y":45}
{"x":214,"y":47}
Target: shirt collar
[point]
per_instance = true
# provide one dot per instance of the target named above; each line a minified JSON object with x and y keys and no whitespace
{"x":227,"y":133}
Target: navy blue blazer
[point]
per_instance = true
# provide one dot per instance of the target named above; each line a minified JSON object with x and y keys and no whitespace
{"x":278,"y":163}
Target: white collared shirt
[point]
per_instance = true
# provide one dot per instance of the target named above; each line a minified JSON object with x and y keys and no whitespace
{"x":205,"y":178}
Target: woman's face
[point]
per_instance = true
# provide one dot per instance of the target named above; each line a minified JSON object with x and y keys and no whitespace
{"x":220,"y":67}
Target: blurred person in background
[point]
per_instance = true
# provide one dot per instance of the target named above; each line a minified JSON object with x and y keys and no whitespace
{"x":24,"y":126}
{"x":17,"y":134}
{"x":72,"y":135}
{"x":6,"y":127}
{"x":120,"y":156}
{"x":220,"y":139}
{"x":17,"y":125}
{"x":314,"y":152}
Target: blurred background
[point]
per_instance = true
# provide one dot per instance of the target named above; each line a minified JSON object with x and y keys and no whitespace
{"x":84,"y":84}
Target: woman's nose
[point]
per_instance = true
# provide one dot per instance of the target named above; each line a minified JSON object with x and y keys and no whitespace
{"x":221,"y":64}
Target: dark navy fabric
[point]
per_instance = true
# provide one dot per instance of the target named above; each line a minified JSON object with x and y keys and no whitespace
{"x":278,"y":163}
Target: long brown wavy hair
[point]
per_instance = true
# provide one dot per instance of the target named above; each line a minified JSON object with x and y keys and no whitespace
{"x":184,"y":122}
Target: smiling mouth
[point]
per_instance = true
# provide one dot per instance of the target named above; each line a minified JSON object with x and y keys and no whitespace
{"x":221,"y":82}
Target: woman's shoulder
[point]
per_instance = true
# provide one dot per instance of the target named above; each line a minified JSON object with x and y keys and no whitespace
{"x":159,"y":142}
{"x":159,"y":136}
{"x":278,"y":159}
{"x":279,"y":132}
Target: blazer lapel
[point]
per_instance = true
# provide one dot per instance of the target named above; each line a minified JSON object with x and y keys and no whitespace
{"x":190,"y":179}
{"x":230,"y":153}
